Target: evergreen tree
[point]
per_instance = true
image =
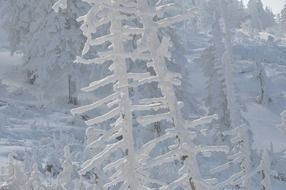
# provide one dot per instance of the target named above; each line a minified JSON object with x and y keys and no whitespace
{"x":260,"y":18}
{"x":283,"y":18}
{"x":55,"y":40}
{"x":65,"y":177}
{"x":216,"y":99}
{"x":153,"y":50}
{"x":119,"y":136}
{"x":34,"y":181}
{"x":17,"y":179}
{"x":222,"y":100}
{"x":18,"y":15}
{"x":49,"y":42}
{"x":283,"y":121}
{"x":266,"y":171}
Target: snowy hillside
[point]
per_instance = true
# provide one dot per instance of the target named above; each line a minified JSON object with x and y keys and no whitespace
{"x":146,"y":94}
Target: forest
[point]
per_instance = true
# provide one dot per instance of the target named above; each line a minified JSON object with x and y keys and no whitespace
{"x":142,"y":95}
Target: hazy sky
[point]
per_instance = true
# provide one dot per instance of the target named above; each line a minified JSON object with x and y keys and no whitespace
{"x":276,"y":5}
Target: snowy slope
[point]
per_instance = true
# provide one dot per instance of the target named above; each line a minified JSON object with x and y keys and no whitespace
{"x":24,"y":122}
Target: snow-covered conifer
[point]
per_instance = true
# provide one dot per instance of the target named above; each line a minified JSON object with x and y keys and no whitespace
{"x":255,"y":9}
{"x":260,"y":18}
{"x":216,"y":99}
{"x":49,"y":41}
{"x":55,"y":40}
{"x":207,"y":13}
{"x":239,"y":156}
{"x":18,"y":16}
{"x":158,"y":48}
{"x":153,"y":50}
{"x":65,"y":177}
{"x":17,"y":180}
{"x":218,"y":62}
{"x":27,"y":162}
{"x":222,"y":99}
{"x":34,"y":181}
{"x":283,"y":18}
{"x":228,"y":64}
{"x":266,"y":171}
{"x":269,"y":18}
{"x":283,"y":121}
{"x":80,"y":184}
{"x":119,"y":136}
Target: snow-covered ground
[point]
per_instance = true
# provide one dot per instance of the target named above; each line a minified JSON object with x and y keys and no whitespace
{"x":23,"y":122}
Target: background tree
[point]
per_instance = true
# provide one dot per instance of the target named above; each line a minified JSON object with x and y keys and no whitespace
{"x":260,"y":18}
{"x":283,"y":17}
{"x":266,"y":171}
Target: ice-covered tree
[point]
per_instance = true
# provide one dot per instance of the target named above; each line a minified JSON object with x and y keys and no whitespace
{"x":239,"y":160}
{"x":17,"y":179}
{"x":269,"y":18}
{"x":228,"y":64}
{"x":266,"y":171}
{"x":80,"y":184}
{"x":260,"y":18}
{"x":28,"y":163}
{"x":207,"y":13}
{"x":244,"y":144}
{"x":216,"y":99}
{"x":34,"y":181}
{"x":54,"y":41}
{"x":18,"y":16}
{"x":222,"y":99}
{"x":65,"y":177}
{"x":119,"y":136}
{"x":255,"y":9}
{"x":153,"y":50}
{"x":159,"y":52}
{"x":283,"y":121}
{"x":283,"y":18}
{"x":49,"y":41}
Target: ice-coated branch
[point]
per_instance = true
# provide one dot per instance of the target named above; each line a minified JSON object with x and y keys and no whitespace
{"x":119,"y":136}
{"x":283,"y":121}
{"x":240,"y":156}
{"x":159,"y":51}
{"x":61,"y":4}
{"x":189,"y":14}
{"x":95,"y":105}
{"x":266,"y":171}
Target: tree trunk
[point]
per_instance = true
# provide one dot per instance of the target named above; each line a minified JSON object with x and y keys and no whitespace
{"x":72,"y":91}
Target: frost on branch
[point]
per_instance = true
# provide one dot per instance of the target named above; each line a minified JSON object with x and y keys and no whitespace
{"x":61,"y":4}
{"x":117,"y":137}
{"x":239,"y":157}
{"x":111,"y":144}
{"x":34,"y":181}
{"x":266,"y":171}
{"x":283,"y":121}
{"x":16,"y":179}
{"x":158,"y":49}
{"x":65,"y":177}
{"x":217,"y":97}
